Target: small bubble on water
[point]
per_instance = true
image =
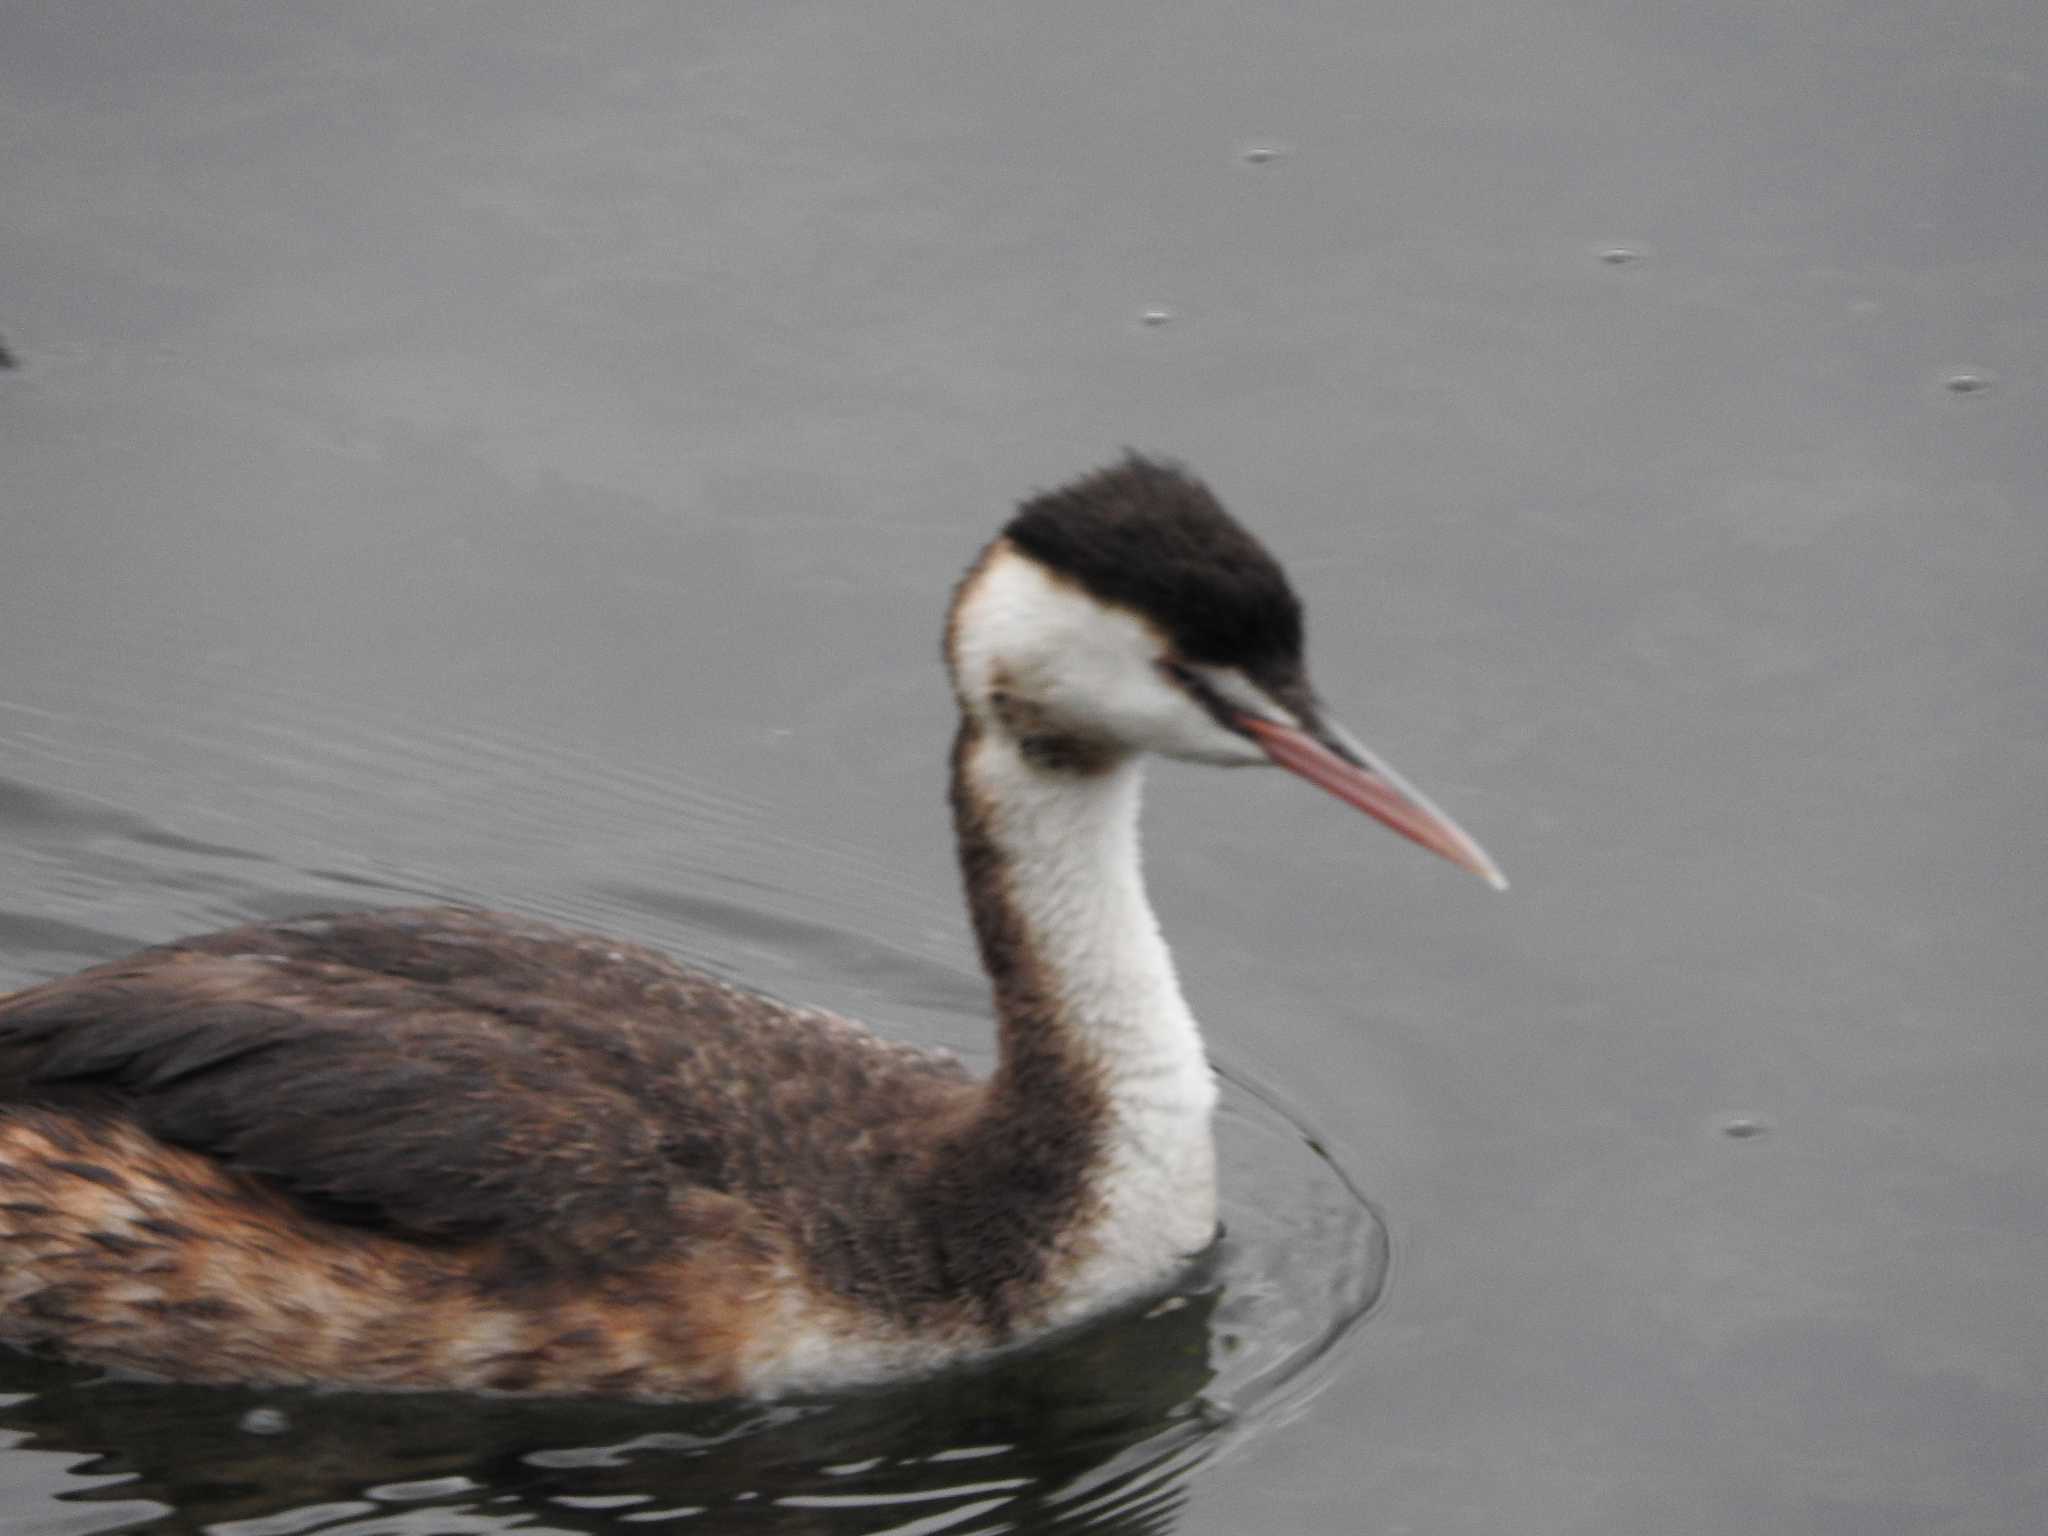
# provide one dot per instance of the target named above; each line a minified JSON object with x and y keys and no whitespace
{"x":1156,"y":315}
{"x":1967,"y":381}
{"x":265,"y":1421}
{"x":1743,"y":1128}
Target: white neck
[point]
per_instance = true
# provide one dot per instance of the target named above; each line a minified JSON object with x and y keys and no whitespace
{"x":1099,"y":978}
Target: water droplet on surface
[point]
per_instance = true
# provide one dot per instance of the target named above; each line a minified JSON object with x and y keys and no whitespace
{"x":1967,"y":381}
{"x":1744,"y":1128}
{"x":1157,"y":314}
{"x":265,"y":1421}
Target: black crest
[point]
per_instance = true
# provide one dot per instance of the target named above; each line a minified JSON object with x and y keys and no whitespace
{"x":1148,"y":536}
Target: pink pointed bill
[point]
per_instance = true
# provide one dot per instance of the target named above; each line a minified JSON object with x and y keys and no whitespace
{"x":1374,"y":788}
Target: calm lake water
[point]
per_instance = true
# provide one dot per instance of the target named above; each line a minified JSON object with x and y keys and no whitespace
{"x":518,"y":454}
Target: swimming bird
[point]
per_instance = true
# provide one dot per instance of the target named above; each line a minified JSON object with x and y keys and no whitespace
{"x":449,"y":1148}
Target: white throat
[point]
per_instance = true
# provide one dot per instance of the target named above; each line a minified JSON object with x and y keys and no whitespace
{"x":1069,"y":845}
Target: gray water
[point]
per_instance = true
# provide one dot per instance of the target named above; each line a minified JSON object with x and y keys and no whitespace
{"x":518,"y":454}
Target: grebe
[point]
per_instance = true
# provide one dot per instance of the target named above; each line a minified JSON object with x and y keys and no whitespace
{"x":455,"y":1149}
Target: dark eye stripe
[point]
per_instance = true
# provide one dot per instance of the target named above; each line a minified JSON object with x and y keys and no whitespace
{"x":1198,"y":688}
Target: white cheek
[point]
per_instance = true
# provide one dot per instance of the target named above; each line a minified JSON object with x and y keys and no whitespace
{"x":1192,"y":735}
{"x":1092,"y":666}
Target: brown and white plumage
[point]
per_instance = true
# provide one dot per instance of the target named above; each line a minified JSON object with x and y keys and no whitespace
{"x":439,"y":1147}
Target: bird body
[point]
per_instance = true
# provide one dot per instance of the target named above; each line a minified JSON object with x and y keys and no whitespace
{"x":437,"y":1147}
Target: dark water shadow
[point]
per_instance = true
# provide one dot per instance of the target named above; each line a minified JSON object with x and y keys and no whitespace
{"x":1095,"y":1431}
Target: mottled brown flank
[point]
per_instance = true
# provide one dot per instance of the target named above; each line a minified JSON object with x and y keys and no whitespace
{"x":453,"y":1114}
{"x":184,"y":1269}
{"x":457,"y":1077}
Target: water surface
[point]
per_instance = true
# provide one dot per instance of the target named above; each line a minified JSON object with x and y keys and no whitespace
{"x":519,"y":456}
